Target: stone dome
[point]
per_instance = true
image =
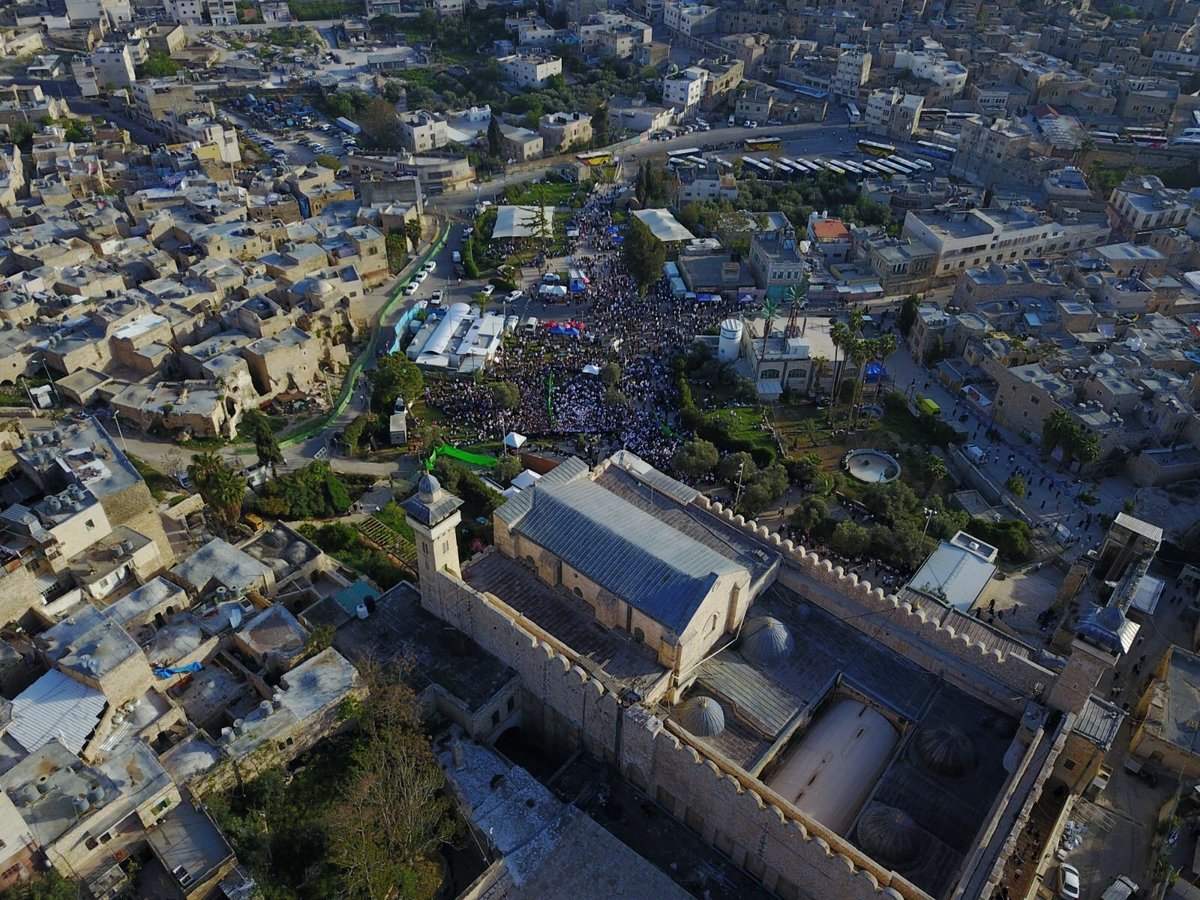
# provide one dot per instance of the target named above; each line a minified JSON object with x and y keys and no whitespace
{"x":296,"y":553}
{"x":946,"y":750}
{"x":890,"y":835}
{"x":766,"y":640}
{"x":702,"y":716}
{"x":323,"y":286}
{"x":428,"y":488}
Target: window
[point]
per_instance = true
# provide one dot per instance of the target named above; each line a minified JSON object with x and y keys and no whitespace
{"x":89,"y":525}
{"x":512,"y":703}
{"x":1069,"y":765}
{"x":639,"y":635}
{"x":712,"y":623}
{"x":578,"y":592}
{"x":495,"y":718}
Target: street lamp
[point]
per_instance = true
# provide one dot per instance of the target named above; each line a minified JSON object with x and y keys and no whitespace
{"x":929,"y":514}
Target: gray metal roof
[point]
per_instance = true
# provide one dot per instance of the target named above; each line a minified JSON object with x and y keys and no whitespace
{"x":958,"y":574}
{"x":55,"y":707}
{"x":647,"y":474}
{"x":568,"y":470}
{"x":1099,"y":722}
{"x":1137,"y":526}
{"x":656,"y":569}
{"x":431,"y":503}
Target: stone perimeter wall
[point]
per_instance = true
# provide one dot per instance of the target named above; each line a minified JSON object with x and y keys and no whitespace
{"x":792,"y":855}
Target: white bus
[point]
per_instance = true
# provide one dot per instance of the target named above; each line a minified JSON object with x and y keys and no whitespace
{"x":853,"y":113}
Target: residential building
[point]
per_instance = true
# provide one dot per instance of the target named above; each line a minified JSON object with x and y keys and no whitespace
{"x":685,"y":89}
{"x":422,"y":131}
{"x":562,"y":131}
{"x":530,"y":69}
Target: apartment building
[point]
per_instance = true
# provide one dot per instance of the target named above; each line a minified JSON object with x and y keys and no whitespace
{"x":561,"y":131}
{"x":689,"y":19}
{"x":113,"y":66}
{"x":530,"y":69}
{"x":988,"y":152}
{"x":685,"y":89}
{"x":852,"y":72}
{"x":894,"y":113}
{"x":422,"y":131}
{"x":978,"y":237}
{"x":1141,"y":204}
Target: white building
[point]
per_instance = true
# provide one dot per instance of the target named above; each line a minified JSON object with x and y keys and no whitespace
{"x":421,"y":131}
{"x":853,"y":70}
{"x":689,"y":19}
{"x":114,"y":66}
{"x":684,"y":90}
{"x":530,"y":70}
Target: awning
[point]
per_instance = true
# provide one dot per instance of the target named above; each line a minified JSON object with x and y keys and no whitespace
{"x":513,"y":441}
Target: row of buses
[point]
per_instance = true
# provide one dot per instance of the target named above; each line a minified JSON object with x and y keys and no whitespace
{"x":881,"y":160}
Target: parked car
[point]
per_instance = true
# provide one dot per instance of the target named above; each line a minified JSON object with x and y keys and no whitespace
{"x":488,"y":290}
{"x":430,"y":267}
{"x":513,"y":297}
{"x":411,"y":288}
{"x":1066,"y":882}
{"x":436,"y":299}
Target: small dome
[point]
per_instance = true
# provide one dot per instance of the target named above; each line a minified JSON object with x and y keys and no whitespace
{"x":702,"y":716}
{"x":322,"y":286}
{"x":296,"y":553}
{"x":428,"y":487}
{"x":946,"y":750}
{"x":766,"y":641}
{"x":890,"y":835}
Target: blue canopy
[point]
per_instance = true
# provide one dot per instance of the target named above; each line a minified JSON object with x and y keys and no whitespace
{"x":707,"y":298}
{"x":168,"y":671}
{"x":875,"y":371}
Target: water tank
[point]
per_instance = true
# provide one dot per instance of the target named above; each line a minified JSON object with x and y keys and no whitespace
{"x":239,"y":726}
{"x":95,"y":794}
{"x":265,"y":706}
{"x":361,"y":610}
{"x":81,"y":805}
{"x":729,"y":346}
{"x":277,"y":701}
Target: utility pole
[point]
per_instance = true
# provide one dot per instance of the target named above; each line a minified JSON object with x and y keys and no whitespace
{"x":120,"y":433}
{"x":737,"y":494}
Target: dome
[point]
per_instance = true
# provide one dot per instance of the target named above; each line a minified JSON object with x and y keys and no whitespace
{"x":946,"y":750}
{"x":702,"y":716}
{"x":296,"y":553}
{"x":323,"y":286}
{"x":890,"y":835}
{"x":766,"y":640}
{"x":428,"y":488}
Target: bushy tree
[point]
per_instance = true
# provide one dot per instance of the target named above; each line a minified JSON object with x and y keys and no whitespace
{"x":505,"y":395}
{"x":850,"y":539}
{"x":222,"y":489}
{"x":256,"y":426}
{"x":644,"y":254}
{"x":810,"y":515}
{"x":394,"y":376}
{"x":695,"y":459}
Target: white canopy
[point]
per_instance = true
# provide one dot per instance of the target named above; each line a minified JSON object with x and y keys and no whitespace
{"x":513,"y":441}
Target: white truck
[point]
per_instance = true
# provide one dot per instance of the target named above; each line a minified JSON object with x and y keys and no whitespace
{"x":347,"y":126}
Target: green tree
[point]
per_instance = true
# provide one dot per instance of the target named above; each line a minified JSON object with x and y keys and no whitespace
{"x":1086,"y":447}
{"x":412,"y":231}
{"x":494,"y":137}
{"x":505,"y":395}
{"x":320,"y":638}
{"x":908,"y":314}
{"x":256,"y":426}
{"x":850,"y":539}
{"x":1056,"y":429}
{"x":48,"y":886}
{"x":328,"y":161}
{"x":507,"y":468}
{"x":396,"y":251}
{"x":810,"y":515}
{"x":158,"y":65}
{"x":610,"y":374}
{"x":353,"y":433}
{"x":644,"y":255}
{"x":935,"y":471}
{"x":695,"y":459}
{"x":395,"y":811}
{"x":1016,"y":485}
{"x":394,"y":376}
{"x":735,"y":466}
{"x":222,"y":489}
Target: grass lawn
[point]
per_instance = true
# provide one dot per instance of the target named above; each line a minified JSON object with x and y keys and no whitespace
{"x":554,"y":193}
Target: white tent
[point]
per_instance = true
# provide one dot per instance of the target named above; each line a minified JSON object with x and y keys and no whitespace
{"x":591,"y":369}
{"x":513,"y":441}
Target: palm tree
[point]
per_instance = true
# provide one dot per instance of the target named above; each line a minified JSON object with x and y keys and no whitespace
{"x":935,"y":471}
{"x":840,"y":335}
{"x":885,"y":346}
{"x":770,"y":309}
{"x":861,"y":352}
{"x":820,"y":364}
{"x":809,"y":427}
{"x":1055,"y":430}
{"x":1086,"y":446}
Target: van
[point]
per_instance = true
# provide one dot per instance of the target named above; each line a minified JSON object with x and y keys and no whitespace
{"x":1121,"y":889}
{"x":456,"y":256}
{"x":530,"y":326}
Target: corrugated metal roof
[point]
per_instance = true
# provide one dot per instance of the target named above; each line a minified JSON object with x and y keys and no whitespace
{"x":656,"y":569}
{"x":953,"y":574}
{"x":1099,"y":722}
{"x":568,"y":470}
{"x":647,"y":474}
{"x":55,"y":706}
{"x":1137,"y":526}
{"x":754,"y":698}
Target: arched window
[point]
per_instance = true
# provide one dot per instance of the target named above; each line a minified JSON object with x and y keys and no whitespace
{"x":712,"y":624}
{"x":767,"y":374}
{"x":578,"y":592}
{"x":639,"y":635}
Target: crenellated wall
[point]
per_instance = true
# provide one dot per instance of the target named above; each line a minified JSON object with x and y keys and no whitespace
{"x":967,"y":652}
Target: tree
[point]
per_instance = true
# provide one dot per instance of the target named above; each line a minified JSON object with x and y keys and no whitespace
{"x":495,"y":137}
{"x":737,"y":466}
{"x":908,"y":314}
{"x":394,"y":243}
{"x":810,"y":515}
{"x":394,"y":812}
{"x":1086,"y":446}
{"x":610,"y":374}
{"x":257,"y":427}
{"x":1016,"y":484}
{"x":644,"y":254}
{"x":769,"y":310}
{"x":1055,"y":430}
{"x":600,"y":125}
{"x":320,"y":638}
{"x":505,"y":395}
{"x":327,"y":161}
{"x":412,"y":231}
{"x":885,"y":346}
{"x":507,"y":468}
{"x":394,"y":376}
{"x":49,"y":886}
{"x":695,"y":459}
{"x":222,"y":489}
{"x":850,"y":539}
{"x":935,"y":471}
{"x":353,"y":433}
{"x":158,"y":65}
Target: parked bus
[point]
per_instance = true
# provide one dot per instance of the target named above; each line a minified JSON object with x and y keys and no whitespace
{"x":935,"y":151}
{"x":872,"y":167}
{"x":696,"y":160}
{"x":723,"y":163}
{"x":758,"y":168}
{"x":910,"y":167}
{"x":683,"y":154}
{"x":874,"y":148}
{"x":599,"y":158}
{"x":763,"y":143}
{"x":853,"y":113}
{"x":834,"y":167}
{"x":850,"y":166}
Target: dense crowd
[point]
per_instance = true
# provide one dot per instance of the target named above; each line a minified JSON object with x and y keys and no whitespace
{"x":557,"y":398}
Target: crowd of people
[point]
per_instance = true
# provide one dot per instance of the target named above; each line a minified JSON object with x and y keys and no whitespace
{"x":558,"y":399}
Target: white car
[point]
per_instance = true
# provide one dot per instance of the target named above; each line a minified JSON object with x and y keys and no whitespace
{"x":436,"y":299}
{"x":420,"y":277}
{"x":1068,"y":882}
{"x":488,"y":290}
{"x":410,"y":288}
{"x":431,"y":266}
{"x":513,"y":297}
